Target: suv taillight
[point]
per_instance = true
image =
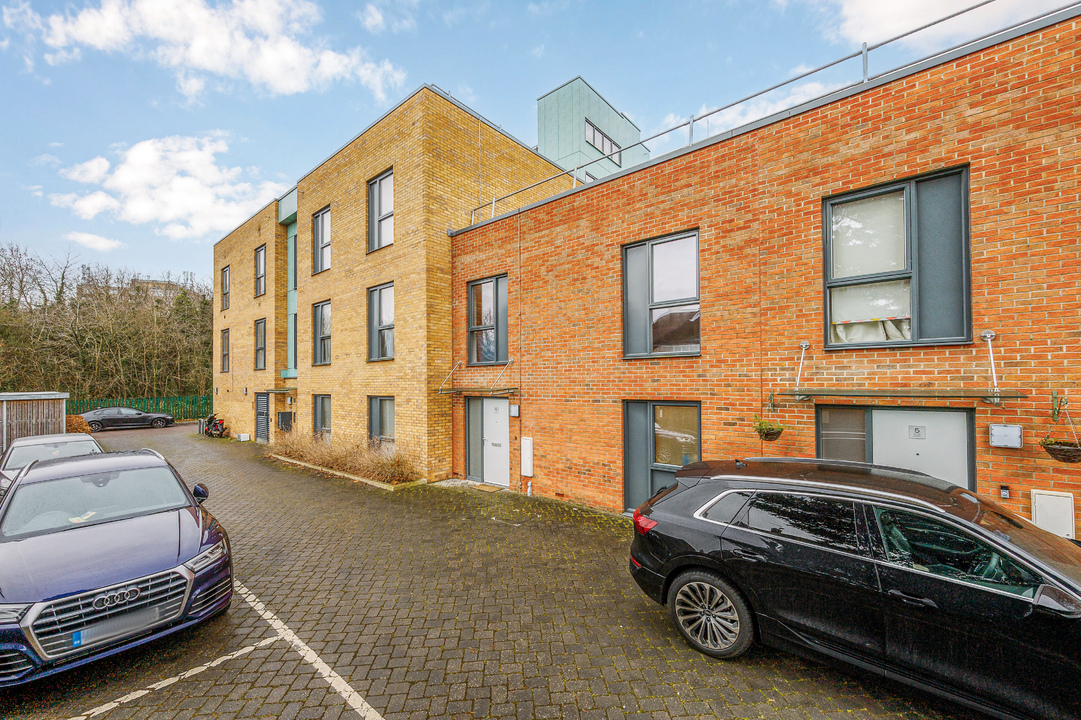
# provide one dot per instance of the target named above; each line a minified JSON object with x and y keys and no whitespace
{"x":642,"y":524}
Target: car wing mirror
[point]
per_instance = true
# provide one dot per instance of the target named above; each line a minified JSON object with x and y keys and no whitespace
{"x":200,"y":493}
{"x":1058,"y":601}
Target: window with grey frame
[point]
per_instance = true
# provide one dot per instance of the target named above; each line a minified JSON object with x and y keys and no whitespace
{"x":321,"y":333}
{"x":661,"y":309}
{"x":602,"y":142}
{"x":225,"y":350}
{"x":225,"y":288}
{"x":381,"y":322}
{"x":897,"y":263}
{"x":260,"y":344}
{"x":488,"y":321}
{"x":381,"y":422}
{"x":321,"y":414}
{"x":381,"y":211}
{"x":321,"y":241}
{"x":260,"y":270}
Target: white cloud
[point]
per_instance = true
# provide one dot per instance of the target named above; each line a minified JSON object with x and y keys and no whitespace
{"x":398,"y":15}
{"x":86,"y":206}
{"x":547,"y":7}
{"x":537,"y":52}
{"x":36,"y":191}
{"x":174,"y":183}
{"x":373,"y":19}
{"x":260,"y":41}
{"x":91,"y":171}
{"x":800,"y":69}
{"x":94,"y":242}
{"x":871,"y":21}
{"x":45,"y":159}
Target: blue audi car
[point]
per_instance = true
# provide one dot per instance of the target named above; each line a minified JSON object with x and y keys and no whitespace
{"x":101,"y":553}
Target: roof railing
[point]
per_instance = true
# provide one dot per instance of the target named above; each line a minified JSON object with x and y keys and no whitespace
{"x":863,"y":53}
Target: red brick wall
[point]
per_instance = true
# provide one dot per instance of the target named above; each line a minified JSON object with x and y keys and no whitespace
{"x":1010,"y":113}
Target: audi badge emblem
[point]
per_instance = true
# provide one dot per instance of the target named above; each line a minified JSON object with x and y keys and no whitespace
{"x":115,"y":598}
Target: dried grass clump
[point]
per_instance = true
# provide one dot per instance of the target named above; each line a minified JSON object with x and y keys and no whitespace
{"x":76,"y":424}
{"x":391,"y":463}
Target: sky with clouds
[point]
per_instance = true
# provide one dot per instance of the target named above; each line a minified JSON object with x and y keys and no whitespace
{"x":139,"y":132}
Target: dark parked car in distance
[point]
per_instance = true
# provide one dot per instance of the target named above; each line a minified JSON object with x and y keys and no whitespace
{"x":901,"y":574}
{"x":22,"y":451}
{"x":124,"y":417}
{"x":101,"y":553}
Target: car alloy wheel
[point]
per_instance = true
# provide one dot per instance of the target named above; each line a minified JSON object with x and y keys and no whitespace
{"x":158,"y":423}
{"x":710,"y":614}
{"x":95,"y":426}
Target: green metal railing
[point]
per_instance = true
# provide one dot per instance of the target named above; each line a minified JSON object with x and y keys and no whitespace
{"x":192,"y":407}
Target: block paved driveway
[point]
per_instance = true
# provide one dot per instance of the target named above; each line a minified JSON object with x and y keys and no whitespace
{"x":430,"y":602}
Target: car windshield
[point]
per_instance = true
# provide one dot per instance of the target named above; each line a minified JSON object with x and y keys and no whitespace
{"x":1056,"y":552}
{"x":24,"y":455}
{"x":70,"y":502}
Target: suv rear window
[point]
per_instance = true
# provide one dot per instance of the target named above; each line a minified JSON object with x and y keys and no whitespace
{"x":827,"y":522}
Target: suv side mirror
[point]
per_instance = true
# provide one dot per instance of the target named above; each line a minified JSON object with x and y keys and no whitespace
{"x":1058,"y":601}
{"x":200,"y":493}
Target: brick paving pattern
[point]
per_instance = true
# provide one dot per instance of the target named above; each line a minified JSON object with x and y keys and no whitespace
{"x":436,"y":602}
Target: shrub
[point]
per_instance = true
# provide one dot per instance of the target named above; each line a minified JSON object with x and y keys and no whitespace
{"x":76,"y":424}
{"x":393,"y":464}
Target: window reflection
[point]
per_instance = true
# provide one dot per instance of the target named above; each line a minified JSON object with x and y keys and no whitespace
{"x":821,"y":521}
{"x":675,"y":270}
{"x":675,"y":434}
{"x":676,"y":329}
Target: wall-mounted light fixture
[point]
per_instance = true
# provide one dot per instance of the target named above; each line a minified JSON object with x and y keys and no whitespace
{"x":245,"y":391}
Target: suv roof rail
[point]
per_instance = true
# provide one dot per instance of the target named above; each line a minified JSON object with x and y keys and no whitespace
{"x":828,"y":461}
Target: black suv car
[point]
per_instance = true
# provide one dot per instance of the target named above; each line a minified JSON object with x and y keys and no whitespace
{"x":899,"y":573}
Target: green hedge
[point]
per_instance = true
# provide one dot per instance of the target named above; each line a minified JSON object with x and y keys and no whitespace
{"x":181,"y":408}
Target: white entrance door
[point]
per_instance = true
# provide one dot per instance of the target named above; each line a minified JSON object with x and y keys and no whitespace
{"x":496,"y":441}
{"x":932,"y":441}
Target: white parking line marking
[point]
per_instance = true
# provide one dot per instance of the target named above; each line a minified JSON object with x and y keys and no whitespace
{"x":169,"y":681}
{"x":336,"y":681}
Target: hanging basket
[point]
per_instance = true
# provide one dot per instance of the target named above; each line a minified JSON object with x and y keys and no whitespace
{"x":770,"y":435}
{"x":1062,"y":450}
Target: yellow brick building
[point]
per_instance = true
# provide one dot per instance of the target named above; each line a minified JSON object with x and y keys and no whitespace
{"x":334,"y":301}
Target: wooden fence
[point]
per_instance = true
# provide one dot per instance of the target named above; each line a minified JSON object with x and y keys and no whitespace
{"x":23,"y":414}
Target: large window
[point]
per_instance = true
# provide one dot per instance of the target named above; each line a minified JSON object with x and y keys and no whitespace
{"x":897,"y":263}
{"x":661,"y":312}
{"x":381,"y":421}
{"x":381,"y":211}
{"x":603,"y":143}
{"x":225,"y":350}
{"x":321,"y":414}
{"x":321,"y":241}
{"x":260,"y":270}
{"x":260,"y":344}
{"x":225,"y":288}
{"x":488,"y":321}
{"x":321,"y":333}
{"x":381,"y":322}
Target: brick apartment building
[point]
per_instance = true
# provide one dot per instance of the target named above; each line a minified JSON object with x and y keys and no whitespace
{"x":361,"y":239}
{"x":642,"y":321}
{"x":836,"y":267}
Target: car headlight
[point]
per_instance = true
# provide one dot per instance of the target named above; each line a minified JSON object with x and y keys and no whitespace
{"x":12,"y":613}
{"x":207,"y":558}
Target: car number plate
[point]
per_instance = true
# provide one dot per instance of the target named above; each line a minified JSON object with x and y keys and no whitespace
{"x":116,"y":627}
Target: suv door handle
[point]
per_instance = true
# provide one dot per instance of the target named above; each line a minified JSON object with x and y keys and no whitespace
{"x":913,"y":600}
